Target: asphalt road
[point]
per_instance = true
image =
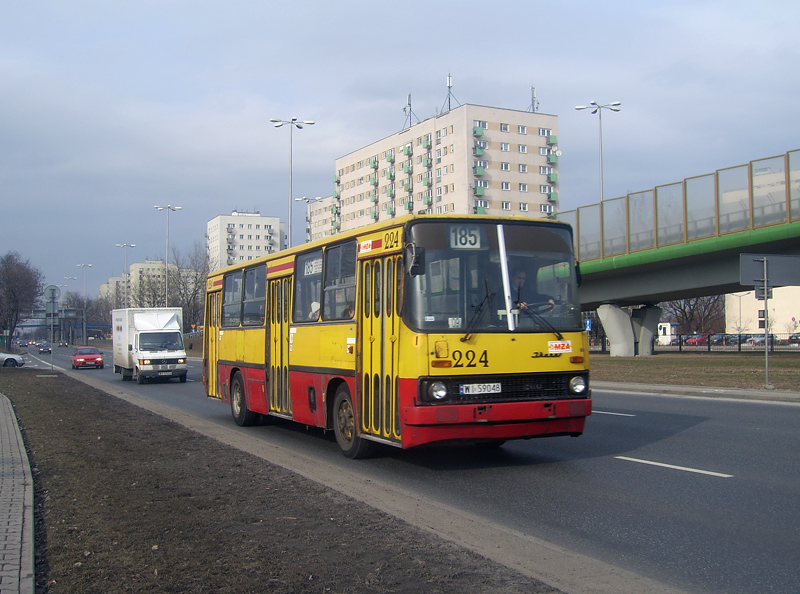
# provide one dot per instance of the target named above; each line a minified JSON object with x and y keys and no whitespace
{"x":699,"y":494}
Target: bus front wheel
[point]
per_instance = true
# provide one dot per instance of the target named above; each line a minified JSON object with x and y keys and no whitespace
{"x":344,"y":426}
{"x":242,"y":416}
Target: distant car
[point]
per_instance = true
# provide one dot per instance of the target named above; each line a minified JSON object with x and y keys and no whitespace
{"x":794,"y":339}
{"x":87,"y":357}
{"x":45,"y":348}
{"x":11,"y":360}
{"x":696,"y":339}
{"x":63,"y":343}
{"x":758,"y":340}
{"x":719,"y":339}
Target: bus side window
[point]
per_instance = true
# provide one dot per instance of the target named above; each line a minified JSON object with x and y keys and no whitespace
{"x":307,"y":285}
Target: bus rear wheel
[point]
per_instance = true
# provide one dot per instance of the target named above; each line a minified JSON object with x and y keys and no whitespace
{"x":344,"y":426}
{"x":242,"y":416}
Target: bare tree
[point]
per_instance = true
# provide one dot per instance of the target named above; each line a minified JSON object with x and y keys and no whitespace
{"x":147,"y":292}
{"x":21,"y":288}
{"x":189,"y":284}
{"x":704,"y":315}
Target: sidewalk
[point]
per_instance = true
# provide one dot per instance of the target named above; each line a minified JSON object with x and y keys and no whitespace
{"x":16,"y":507}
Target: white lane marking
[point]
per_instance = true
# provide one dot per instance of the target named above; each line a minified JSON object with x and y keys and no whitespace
{"x":602,"y":412}
{"x":698,"y":471}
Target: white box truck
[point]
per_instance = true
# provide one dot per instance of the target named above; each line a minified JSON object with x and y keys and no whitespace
{"x":148,"y":343}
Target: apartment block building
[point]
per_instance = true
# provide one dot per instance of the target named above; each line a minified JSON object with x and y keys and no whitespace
{"x":472,"y":159}
{"x":242,"y":236}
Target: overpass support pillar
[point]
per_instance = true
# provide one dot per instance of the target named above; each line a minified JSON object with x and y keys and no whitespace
{"x":630,"y":334}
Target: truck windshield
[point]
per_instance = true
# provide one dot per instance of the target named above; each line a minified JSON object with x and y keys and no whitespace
{"x":460,"y":288}
{"x":161,"y":341}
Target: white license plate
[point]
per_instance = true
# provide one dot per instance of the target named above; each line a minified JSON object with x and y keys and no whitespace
{"x":479,"y":388}
{"x":164,"y":373}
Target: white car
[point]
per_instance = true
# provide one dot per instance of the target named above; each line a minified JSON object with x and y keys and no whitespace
{"x":11,"y":360}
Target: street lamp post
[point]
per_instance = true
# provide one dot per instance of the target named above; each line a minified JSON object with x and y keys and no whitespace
{"x":168,"y":208}
{"x":71,"y":327}
{"x":84,"y":266}
{"x":293,"y":123}
{"x":309,"y":202}
{"x":126,"y":274}
{"x":598,"y":109}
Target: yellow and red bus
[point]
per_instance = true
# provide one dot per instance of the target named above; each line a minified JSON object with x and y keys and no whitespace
{"x":408,"y":332}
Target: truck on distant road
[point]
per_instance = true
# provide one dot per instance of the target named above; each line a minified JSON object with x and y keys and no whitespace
{"x":148,"y":343}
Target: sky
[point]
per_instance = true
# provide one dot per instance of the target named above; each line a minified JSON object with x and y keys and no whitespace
{"x":108,"y":109}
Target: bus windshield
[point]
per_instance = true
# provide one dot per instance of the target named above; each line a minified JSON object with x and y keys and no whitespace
{"x":458,"y":284}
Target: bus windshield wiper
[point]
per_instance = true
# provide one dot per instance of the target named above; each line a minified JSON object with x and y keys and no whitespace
{"x":479,"y":310}
{"x":543,"y":321}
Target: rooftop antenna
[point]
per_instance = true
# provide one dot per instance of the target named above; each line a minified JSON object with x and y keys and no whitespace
{"x":449,"y":94}
{"x":534,"y":106}
{"x":409,"y":112}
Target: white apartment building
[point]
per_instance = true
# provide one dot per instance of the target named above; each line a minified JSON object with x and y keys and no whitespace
{"x":469,"y":160}
{"x":242,"y":236}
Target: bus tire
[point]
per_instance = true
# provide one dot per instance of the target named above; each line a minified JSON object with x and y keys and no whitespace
{"x":242,"y":416}
{"x":344,"y":426}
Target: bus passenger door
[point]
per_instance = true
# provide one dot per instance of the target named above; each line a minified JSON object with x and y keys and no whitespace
{"x":210,"y":342}
{"x":278,"y":361}
{"x":377,"y":376}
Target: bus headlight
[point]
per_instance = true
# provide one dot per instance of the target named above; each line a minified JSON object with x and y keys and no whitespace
{"x":577,"y":385}
{"x":438,"y":391}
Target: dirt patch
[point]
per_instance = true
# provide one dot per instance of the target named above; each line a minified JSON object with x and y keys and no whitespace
{"x":127,"y":501}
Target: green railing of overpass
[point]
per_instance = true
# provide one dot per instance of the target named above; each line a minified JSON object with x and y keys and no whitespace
{"x":731,"y":207}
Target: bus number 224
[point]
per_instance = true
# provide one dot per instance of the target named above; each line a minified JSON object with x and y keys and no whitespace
{"x":467,"y":359}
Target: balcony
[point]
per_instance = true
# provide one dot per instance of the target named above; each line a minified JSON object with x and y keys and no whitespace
{"x":428,"y":181}
{"x":390,"y":192}
{"x":408,"y":150}
{"x":479,"y":191}
{"x":552,"y":139}
{"x":426,"y":143}
{"x":335,"y":225}
{"x":478,"y":151}
{"x":552,"y":159}
{"x":337,"y":194}
{"x":552,"y":177}
{"x":373,"y":179}
{"x":408,"y":187}
{"x":336,"y":178}
{"x":478,"y":171}
{"x":390,"y":174}
{"x":334,"y":210}
{"x":479,"y":210}
{"x":374,"y":198}
{"x":427,"y":200}
{"x":390,"y":210}
{"x":408,"y":169}
{"x":477,"y":131}
{"x":427,"y":162}
{"x":374,"y":215}
{"x":390,"y":157}
{"x":409,"y":205}
{"x":373,"y":163}
{"x":553,"y":196}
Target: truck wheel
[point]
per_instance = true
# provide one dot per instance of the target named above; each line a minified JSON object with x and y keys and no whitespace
{"x":139,"y":376}
{"x":183,"y":378}
{"x":344,"y":426}
{"x":242,"y":416}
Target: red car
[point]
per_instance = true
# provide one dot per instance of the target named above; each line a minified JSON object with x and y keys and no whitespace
{"x":697,"y":340}
{"x":87,"y":357}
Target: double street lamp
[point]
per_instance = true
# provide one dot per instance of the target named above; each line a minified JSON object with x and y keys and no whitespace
{"x":309,"y":202}
{"x":125,"y":274}
{"x":293,"y":123}
{"x":598,"y":109}
{"x":84,"y":266}
{"x":168,"y":208}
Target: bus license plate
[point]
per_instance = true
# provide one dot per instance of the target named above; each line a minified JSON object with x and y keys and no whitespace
{"x":479,"y":388}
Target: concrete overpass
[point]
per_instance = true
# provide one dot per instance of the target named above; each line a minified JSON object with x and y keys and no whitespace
{"x":681,"y":240}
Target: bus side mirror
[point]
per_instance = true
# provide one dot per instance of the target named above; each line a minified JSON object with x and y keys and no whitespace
{"x":578,"y":275}
{"x":415,"y":259}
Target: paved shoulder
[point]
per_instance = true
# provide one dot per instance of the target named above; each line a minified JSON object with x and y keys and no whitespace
{"x":16,"y":507}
